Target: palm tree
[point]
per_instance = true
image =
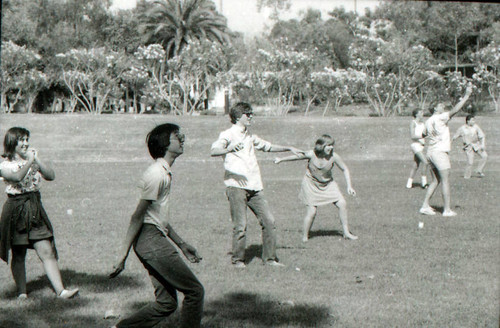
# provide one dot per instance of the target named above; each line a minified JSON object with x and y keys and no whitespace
{"x":173,"y":23}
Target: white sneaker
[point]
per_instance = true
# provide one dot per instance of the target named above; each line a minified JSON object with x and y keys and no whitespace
{"x":22,"y":296}
{"x":427,"y":211}
{"x":449,"y":213}
{"x":67,"y":294}
{"x":239,"y":265}
{"x":409,"y":184}
{"x":274,"y":263}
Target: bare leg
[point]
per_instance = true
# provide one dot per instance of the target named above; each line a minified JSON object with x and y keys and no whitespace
{"x":18,"y":268}
{"x":342,"y":206}
{"x":414,"y":169}
{"x":423,"y":160}
{"x":308,"y":221}
{"x":445,"y":185}
{"x":435,"y":180}
{"x":46,"y":254}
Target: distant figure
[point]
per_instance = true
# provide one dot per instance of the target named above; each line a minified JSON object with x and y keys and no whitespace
{"x":438,"y":134}
{"x":474,"y":142}
{"x":243,"y":182}
{"x":153,"y":238}
{"x":318,"y":187}
{"x":417,"y":127}
{"x":24,"y":223}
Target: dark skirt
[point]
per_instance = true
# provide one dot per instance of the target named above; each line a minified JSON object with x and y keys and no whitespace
{"x":23,"y":222}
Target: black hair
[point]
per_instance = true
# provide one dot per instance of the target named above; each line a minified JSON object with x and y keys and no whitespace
{"x":11,"y":139}
{"x":322,"y":142}
{"x":415,"y":112}
{"x":238,"y":110}
{"x":158,"y":139}
{"x":469,"y":117}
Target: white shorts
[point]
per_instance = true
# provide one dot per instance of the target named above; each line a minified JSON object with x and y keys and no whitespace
{"x":416,"y":147}
{"x":440,"y":160}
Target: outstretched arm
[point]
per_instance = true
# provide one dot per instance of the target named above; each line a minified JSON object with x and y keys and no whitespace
{"x":220,"y":149}
{"x":295,"y":157}
{"x":343,"y":167}
{"x":278,"y":148}
{"x":462,"y":102}
{"x":134,"y":227}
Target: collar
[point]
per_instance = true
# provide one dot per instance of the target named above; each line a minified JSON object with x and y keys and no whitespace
{"x":164,"y":164}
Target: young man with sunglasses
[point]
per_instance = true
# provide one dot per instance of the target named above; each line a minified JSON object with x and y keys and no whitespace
{"x":243,"y":182}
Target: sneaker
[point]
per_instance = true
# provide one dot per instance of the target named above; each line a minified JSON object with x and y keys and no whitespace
{"x":409,"y":184}
{"x":239,"y":265}
{"x":274,"y":263}
{"x":449,"y":213}
{"x":427,"y":211}
{"x":67,"y":294}
{"x":481,"y":174}
{"x":22,"y":296}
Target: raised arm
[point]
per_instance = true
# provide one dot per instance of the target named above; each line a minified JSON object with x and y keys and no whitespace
{"x":45,"y":169}
{"x":343,"y":167}
{"x":462,"y":102}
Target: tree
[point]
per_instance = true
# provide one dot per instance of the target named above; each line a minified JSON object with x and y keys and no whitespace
{"x":22,"y":77}
{"x":91,"y":75}
{"x":175,"y":23}
{"x":487,"y":74}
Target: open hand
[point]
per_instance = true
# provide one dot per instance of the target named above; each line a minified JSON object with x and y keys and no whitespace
{"x":190,"y":253}
{"x":117,"y":269}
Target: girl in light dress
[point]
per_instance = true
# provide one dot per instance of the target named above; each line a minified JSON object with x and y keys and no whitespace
{"x":318,"y":187}
{"x":417,"y":128}
{"x":24,"y":223}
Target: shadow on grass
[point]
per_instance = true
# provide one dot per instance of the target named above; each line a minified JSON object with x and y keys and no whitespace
{"x":47,"y":312}
{"x":240,"y":309}
{"x":325,"y":233}
{"x":252,"y":252}
{"x":95,"y":283}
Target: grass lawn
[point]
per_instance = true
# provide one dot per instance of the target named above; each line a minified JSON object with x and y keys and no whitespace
{"x":396,"y":275}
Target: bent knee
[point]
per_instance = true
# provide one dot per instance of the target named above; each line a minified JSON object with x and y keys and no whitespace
{"x":341,"y":203}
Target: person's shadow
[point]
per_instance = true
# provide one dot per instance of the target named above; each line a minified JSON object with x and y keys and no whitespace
{"x":325,"y":233}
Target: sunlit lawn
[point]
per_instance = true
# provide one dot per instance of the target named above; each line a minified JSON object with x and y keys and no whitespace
{"x":396,"y":275}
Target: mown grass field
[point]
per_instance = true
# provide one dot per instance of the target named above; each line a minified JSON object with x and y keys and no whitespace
{"x":396,"y":275}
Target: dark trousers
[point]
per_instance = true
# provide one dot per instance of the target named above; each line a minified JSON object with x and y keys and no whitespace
{"x":169,"y":274}
{"x":239,"y":200}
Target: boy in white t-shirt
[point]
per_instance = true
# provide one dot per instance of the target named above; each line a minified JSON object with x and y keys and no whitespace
{"x":439,"y":145}
{"x":474,"y":141}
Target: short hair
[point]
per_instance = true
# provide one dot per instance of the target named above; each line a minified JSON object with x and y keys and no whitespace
{"x":158,"y":139}
{"x":238,"y":110}
{"x":415,"y":112}
{"x":469,"y":117}
{"x":322,"y":142}
{"x":12,"y":136}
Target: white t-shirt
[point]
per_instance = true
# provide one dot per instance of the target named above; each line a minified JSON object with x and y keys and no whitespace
{"x":155,"y":186}
{"x":438,"y":133}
